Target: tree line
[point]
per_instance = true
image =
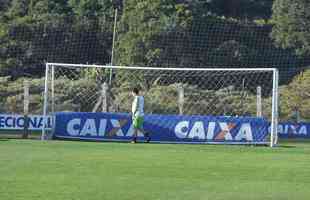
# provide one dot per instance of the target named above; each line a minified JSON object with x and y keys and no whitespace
{"x":165,"y":33}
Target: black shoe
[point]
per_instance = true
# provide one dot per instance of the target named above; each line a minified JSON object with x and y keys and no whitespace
{"x":133,"y":141}
{"x":148,"y":139}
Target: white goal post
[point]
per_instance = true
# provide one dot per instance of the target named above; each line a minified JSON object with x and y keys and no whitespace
{"x":182,"y":91}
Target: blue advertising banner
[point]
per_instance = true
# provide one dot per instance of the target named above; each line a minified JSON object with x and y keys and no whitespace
{"x":163,"y":128}
{"x":294,"y":130}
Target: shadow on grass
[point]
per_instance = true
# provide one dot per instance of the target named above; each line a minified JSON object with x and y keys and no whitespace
{"x":286,"y":146}
{"x":293,"y":142}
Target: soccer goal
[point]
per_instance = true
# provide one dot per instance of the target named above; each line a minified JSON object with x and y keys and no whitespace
{"x":221,"y":97}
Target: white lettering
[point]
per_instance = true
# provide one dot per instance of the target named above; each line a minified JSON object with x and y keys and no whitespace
{"x":10,"y":124}
{"x":286,"y":127}
{"x":16,"y":122}
{"x":280,"y":129}
{"x":116,"y":124}
{"x":102,"y":127}
{"x":245,"y":132}
{"x":303,"y":130}
{"x":197,"y":131}
{"x":293,"y":129}
{"x":181,"y":129}
{"x":211,"y":128}
{"x":89,"y":128}
{"x":73,"y":127}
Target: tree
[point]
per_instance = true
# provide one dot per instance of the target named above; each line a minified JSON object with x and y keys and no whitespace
{"x":4,"y":4}
{"x":295,"y":97}
{"x":238,"y":9}
{"x":142,"y":22}
{"x":35,"y":31}
{"x":292,"y":25}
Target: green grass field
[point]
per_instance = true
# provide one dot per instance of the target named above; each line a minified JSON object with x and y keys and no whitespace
{"x":59,"y":170}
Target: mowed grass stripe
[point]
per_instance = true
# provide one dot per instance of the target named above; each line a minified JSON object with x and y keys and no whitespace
{"x":87,"y":170}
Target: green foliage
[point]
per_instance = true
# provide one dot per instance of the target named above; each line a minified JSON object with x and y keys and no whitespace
{"x":140,"y":22}
{"x":36,"y":31}
{"x":4,"y":4}
{"x":12,"y":95}
{"x":86,"y":8}
{"x":66,"y":98}
{"x":189,"y":34}
{"x":292,"y":25}
{"x":164,"y":99}
{"x":241,"y":9}
{"x":164,"y":33}
{"x":295,"y":97}
{"x":149,"y":33}
{"x":66,"y":90}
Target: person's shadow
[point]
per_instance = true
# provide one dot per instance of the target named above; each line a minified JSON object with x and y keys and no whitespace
{"x":285,"y":146}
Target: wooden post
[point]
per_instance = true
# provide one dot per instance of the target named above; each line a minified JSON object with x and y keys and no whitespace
{"x":242,"y":97}
{"x":105,"y":97}
{"x":97,"y":104}
{"x":259,"y":102}
{"x":26,"y":109}
{"x":296,"y":114}
{"x":180,"y":90}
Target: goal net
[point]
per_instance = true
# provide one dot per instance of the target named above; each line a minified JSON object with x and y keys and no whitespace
{"x":230,"y":93}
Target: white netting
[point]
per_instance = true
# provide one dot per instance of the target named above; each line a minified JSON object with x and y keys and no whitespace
{"x":179,"y":91}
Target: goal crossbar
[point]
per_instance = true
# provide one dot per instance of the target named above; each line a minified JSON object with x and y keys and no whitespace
{"x":160,"y":68}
